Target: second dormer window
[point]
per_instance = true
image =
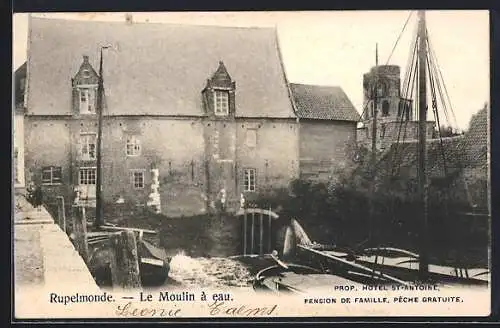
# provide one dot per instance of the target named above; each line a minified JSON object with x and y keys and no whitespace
{"x":221,"y":102}
{"x":87,"y":100}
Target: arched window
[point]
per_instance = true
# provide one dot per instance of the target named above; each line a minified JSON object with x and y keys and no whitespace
{"x":385,"y":108}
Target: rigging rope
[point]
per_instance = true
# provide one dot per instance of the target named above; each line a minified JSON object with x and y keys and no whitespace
{"x":438,"y":68}
{"x":436,"y":115}
{"x":406,"y":87}
{"x":399,"y":37}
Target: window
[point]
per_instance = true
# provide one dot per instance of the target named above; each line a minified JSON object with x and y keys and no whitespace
{"x":133,"y":146}
{"x":88,"y":176}
{"x":88,"y":146}
{"x":249,"y":179}
{"x":251,"y":138}
{"x":385,"y":108}
{"x":51,"y":175}
{"x":87,"y":100}
{"x":221,"y":102}
{"x":87,"y":179}
{"x":137,"y":177}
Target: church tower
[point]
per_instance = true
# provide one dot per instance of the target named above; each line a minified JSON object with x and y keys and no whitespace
{"x":394,"y":114}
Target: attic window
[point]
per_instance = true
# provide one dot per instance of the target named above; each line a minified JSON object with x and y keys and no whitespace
{"x":221,"y":98}
{"x":86,"y":73}
{"x":87,"y":100}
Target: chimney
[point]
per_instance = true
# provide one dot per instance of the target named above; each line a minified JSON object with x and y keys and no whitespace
{"x":129,"y":19}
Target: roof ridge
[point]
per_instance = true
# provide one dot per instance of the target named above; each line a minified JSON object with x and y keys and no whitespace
{"x":273,"y":28}
{"x":317,"y":85}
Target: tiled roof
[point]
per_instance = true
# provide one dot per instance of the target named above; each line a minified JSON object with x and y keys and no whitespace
{"x":155,"y":69}
{"x":475,"y":143}
{"x":323,"y":103}
{"x":465,"y":157}
{"x":467,"y":150}
{"x":440,"y":157}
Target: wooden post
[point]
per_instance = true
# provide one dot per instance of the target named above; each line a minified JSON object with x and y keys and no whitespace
{"x":61,"y":213}
{"x":245,"y":233}
{"x":125,"y":261}
{"x":253,"y":236}
{"x":80,"y":232}
{"x":261,"y":239}
{"x":270,"y":233}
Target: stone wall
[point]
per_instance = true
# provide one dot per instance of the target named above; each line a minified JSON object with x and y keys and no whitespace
{"x":323,"y":147}
{"x":181,"y":149}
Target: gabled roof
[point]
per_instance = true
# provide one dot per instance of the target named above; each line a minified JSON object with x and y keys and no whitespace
{"x":155,"y":69}
{"x":323,"y":103}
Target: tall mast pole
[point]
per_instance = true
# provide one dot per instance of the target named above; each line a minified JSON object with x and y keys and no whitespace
{"x":422,"y":143}
{"x":99,"y":220}
{"x":375,"y":103}
{"x":374,"y":142}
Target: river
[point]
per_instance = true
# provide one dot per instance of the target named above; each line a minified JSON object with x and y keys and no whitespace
{"x":204,"y":253}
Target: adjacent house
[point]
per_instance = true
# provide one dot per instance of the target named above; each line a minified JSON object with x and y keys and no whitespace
{"x":18,"y":126}
{"x":327,"y":123}
{"x":457,"y":165}
{"x":208,"y":108}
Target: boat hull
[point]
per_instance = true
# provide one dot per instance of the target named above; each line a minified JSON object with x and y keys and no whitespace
{"x":411,"y":274}
{"x":153,"y":268}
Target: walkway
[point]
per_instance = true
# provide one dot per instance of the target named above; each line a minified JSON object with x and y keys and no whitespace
{"x":44,"y":257}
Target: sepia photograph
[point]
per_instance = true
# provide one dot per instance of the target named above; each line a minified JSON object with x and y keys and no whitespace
{"x":251,"y":164}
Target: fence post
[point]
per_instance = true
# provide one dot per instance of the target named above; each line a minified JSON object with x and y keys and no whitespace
{"x":61,"y":213}
{"x":80,"y":232}
{"x":125,"y":261}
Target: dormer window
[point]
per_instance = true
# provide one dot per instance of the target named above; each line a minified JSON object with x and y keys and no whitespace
{"x":221,"y":102}
{"x":87,"y":99}
{"x":84,"y":85}
{"x":219,"y":94}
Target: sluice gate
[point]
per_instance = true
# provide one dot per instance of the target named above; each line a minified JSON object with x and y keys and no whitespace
{"x":257,"y":231}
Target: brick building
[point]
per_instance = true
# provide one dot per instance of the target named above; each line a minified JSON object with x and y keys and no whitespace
{"x":209,"y":107}
{"x":327,"y":121}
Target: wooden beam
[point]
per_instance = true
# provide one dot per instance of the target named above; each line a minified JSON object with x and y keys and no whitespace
{"x":261,"y":235}
{"x":111,"y":228}
{"x":125,"y":261}
{"x":61,"y":213}
{"x":80,"y":232}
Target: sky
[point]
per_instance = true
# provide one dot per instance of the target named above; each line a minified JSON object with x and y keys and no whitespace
{"x":337,"y":47}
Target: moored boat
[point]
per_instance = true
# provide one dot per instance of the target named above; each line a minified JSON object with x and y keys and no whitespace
{"x":405,"y":265}
{"x":154,"y":264}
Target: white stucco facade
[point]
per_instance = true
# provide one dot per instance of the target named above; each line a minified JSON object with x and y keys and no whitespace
{"x":18,"y":151}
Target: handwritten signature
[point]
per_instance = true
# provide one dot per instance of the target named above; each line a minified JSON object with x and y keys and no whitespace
{"x":221,"y":308}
